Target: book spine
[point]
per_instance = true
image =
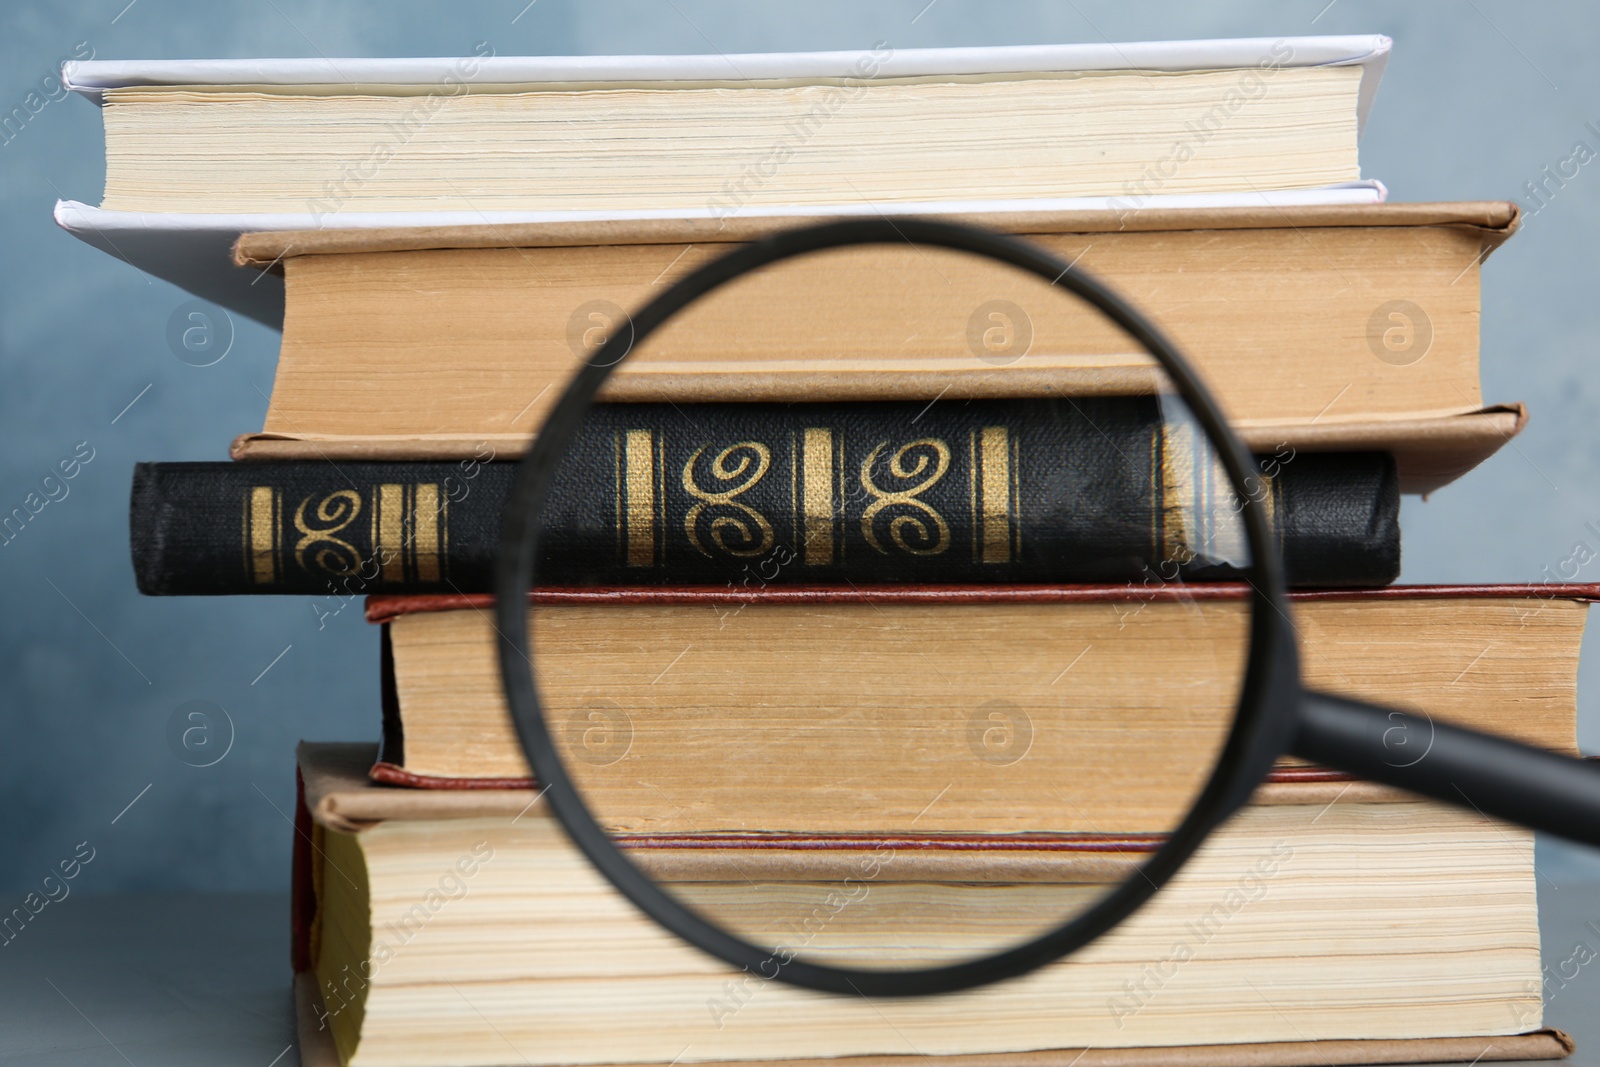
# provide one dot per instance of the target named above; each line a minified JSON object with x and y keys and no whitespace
{"x":1093,"y":490}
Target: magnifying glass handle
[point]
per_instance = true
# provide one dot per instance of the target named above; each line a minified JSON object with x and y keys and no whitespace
{"x":1491,"y":775}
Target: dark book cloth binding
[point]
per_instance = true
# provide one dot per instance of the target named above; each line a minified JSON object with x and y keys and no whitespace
{"x":1084,"y":490}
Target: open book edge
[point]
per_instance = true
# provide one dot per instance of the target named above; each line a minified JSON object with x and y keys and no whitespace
{"x":317,"y":1049}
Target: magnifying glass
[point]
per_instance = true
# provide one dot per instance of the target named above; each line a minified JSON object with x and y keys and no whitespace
{"x":853,"y":777}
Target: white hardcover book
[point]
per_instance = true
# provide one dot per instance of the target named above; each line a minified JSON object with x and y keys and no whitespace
{"x":200,"y":151}
{"x":1368,"y":51}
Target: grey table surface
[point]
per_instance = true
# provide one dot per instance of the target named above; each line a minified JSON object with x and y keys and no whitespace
{"x":180,"y":980}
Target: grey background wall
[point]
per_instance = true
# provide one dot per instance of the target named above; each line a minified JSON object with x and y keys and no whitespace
{"x":1479,"y":96}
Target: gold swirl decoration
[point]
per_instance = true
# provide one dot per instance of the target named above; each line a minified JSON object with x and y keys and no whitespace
{"x":333,"y":514}
{"x":745,"y":464}
{"x":926,"y":527}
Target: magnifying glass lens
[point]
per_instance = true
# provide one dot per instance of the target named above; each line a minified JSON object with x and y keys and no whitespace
{"x":927,"y":645}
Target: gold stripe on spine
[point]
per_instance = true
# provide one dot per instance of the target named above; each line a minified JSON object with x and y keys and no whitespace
{"x":1273,"y":489}
{"x":616,"y":495}
{"x":261,"y":520}
{"x":1157,"y":446}
{"x":994,"y":457}
{"x":639,"y":484}
{"x":372,"y":521}
{"x":972,"y":493}
{"x":388,"y":530}
{"x":817,"y":494}
{"x":1016,"y":499}
{"x":425,"y":528}
{"x":796,"y":520}
{"x":661,"y":501}
{"x":1177,"y":491}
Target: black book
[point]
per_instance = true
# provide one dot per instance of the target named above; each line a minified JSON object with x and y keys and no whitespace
{"x":1006,"y":491}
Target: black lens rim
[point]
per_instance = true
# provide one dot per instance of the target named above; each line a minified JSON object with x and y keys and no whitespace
{"x":1268,"y":699}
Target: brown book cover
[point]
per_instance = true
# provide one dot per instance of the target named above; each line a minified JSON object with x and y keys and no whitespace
{"x":1544,"y":719}
{"x":1331,"y":280}
{"x":1496,"y":219}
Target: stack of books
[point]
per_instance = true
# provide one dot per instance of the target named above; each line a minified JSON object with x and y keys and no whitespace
{"x":453,"y":237}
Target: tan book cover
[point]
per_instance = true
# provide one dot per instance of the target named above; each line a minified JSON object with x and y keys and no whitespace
{"x":1328,"y":328}
{"x":1502,"y":658}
